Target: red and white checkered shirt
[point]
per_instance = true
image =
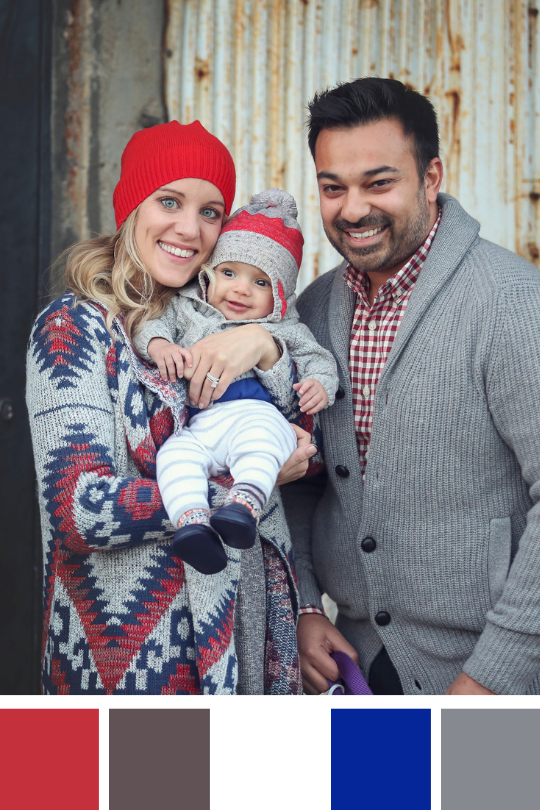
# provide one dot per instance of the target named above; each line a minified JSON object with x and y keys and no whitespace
{"x":373,"y":330}
{"x":372,"y":334}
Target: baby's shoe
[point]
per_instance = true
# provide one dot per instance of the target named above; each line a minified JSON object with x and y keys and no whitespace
{"x":236,"y":525}
{"x":198,"y":545}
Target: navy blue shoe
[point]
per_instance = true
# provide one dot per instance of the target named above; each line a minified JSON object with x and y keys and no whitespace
{"x":198,"y":545}
{"x":235,"y":524}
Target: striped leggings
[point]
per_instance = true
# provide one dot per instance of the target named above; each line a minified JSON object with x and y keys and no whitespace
{"x":247,"y":437}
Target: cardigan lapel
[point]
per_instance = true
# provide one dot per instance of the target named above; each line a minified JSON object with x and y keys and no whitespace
{"x":339,"y":430}
{"x":456,"y":233}
{"x":340,"y":317}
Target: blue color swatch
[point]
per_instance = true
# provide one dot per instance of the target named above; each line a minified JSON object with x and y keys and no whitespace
{"x":381,"y":758}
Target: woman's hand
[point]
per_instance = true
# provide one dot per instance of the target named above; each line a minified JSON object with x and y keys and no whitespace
{"x":225,"y":356}
{"x":296,"y":465}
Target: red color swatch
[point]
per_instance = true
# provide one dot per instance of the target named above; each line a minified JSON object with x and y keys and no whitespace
{"x":49,"y":759}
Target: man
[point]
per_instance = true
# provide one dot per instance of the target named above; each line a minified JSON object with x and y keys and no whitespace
{"x":426,"y":530}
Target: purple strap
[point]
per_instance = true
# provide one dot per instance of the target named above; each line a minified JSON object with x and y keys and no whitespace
{"x":352,"y":680}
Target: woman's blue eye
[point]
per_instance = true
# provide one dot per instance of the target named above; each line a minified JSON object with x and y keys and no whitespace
{"x":169,"y":202}
{"x":209,"y":213}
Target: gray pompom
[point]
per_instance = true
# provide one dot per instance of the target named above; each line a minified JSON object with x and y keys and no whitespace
{"x":275,"y":198}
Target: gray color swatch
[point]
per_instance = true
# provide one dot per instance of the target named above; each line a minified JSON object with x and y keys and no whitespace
{"x":159,"y":758}
{"x":490,"y":759}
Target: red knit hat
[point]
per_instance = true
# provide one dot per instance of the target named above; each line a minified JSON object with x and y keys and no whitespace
{"x":168,"y":152}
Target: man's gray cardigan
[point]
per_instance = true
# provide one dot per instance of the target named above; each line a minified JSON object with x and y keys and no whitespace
{"x":453,"y":477}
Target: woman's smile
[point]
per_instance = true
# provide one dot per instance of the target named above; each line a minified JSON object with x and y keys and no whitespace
{"x":177,"y":251}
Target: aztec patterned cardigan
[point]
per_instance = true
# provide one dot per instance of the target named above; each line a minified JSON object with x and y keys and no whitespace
{"x":122,"y":615}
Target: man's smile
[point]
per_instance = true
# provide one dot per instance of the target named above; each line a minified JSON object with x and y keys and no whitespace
{"x":366,"y":236}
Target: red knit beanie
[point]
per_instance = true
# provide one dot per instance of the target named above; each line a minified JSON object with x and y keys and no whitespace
{"x":168,"y":152}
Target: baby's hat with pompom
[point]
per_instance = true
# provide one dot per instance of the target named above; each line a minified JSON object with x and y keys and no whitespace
{"x":267,"y":235}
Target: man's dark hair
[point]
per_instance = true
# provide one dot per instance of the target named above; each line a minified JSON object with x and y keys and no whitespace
{"x":365,"y":101}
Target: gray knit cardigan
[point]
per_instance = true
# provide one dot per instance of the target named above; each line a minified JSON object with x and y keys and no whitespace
{"x":453,"y":478}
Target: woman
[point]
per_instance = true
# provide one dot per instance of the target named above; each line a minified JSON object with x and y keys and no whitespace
{"x":122,"y":614}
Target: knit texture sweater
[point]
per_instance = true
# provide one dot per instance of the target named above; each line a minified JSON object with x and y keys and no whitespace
{"x":122,"y":615}
{"x":452,"y":486}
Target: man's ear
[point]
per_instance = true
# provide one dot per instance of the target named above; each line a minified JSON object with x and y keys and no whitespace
{"x":433,"y":179}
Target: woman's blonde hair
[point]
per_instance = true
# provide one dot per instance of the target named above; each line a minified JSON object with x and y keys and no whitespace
{"x":108,"y":269}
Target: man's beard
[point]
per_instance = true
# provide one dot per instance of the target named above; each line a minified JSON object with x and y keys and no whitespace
{"x":400,"y":245}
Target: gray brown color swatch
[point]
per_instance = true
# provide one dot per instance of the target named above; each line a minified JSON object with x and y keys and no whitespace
{"x":159,"y":758}
{"x":490,"y":759}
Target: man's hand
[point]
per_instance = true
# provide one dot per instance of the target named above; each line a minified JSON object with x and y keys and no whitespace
{"x":317,"y":638}
{"x":313,"y":397}
{"x":296,"y":465}
{"x":169,"y":358}
{"x":465,"y":685}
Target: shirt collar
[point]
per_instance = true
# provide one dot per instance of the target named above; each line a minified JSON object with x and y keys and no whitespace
{"x":402,"y":281}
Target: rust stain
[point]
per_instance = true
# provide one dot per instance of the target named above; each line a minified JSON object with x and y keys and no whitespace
{"x":316,"y":262}
{"x":456,"y":101}
{"x":534,"y":253}
{"x":202,"y":68}
{"x":535,"y":196}
{"x":533,"y":11}
{"x":455,"y":40}
{"x":440,"y":42}
{"x":455,"y":142}
{"x":276,"y":91}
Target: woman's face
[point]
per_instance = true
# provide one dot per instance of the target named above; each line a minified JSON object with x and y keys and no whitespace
{"x":177,"y":228}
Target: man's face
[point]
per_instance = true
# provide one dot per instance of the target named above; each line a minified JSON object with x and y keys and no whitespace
{"x":375,"y":210}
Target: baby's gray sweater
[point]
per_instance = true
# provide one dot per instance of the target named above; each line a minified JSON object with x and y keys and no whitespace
{"x":188,"y":319}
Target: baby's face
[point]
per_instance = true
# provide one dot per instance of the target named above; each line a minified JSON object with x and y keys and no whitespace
{"x":242,"y":292}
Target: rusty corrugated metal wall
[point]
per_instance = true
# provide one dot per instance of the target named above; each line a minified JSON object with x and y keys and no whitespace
{"x":246,"y":69}
{"x":106,"y":84}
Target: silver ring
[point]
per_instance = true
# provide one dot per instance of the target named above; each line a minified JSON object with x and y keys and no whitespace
{"x":213,"y":380}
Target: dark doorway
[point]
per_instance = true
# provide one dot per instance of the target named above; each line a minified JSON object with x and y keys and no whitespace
{"x":25,"y":36}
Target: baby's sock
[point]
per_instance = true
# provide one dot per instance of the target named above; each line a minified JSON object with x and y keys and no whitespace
{"x":194,"y":516}
{"x":248,"y":495}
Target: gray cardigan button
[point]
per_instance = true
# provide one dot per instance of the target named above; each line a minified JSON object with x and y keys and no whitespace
{"x":368,"y":545}
{"x":340,"y":393}
{"x":342,"y":471}
{"x":382,"y":618}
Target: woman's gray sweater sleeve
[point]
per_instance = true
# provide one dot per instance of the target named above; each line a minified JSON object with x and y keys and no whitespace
{"x":83,"y":499}
{"x":169,"y":325}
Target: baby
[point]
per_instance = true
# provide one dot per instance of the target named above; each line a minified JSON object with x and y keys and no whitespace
{"x":251,"y":276}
